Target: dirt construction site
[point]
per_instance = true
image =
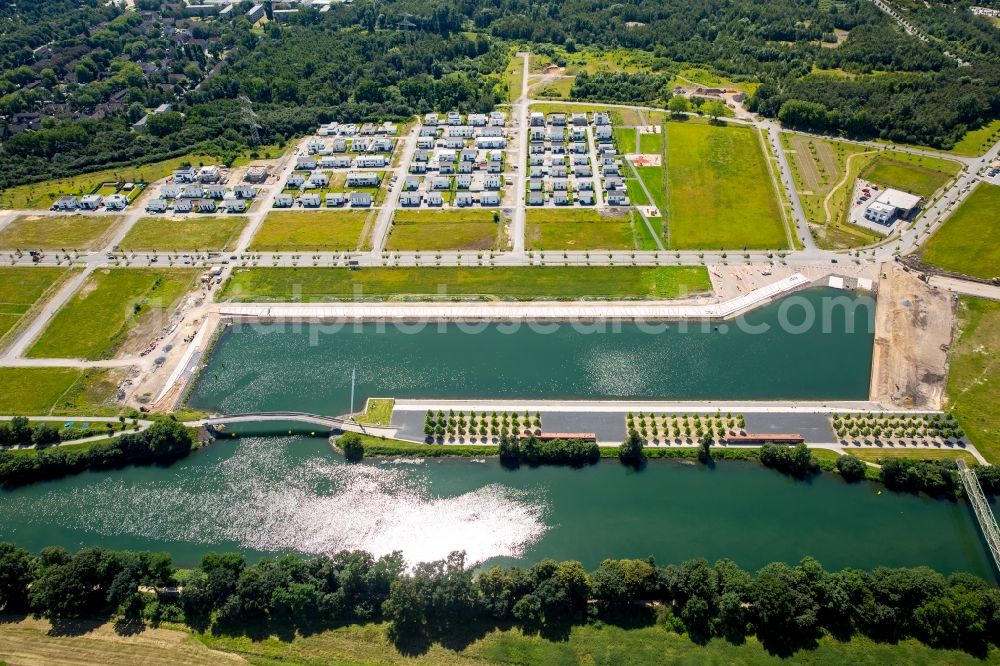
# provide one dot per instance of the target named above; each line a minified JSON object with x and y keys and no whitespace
{"x":913,"y":332}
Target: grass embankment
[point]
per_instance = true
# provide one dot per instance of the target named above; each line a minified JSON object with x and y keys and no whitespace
{"x":59,"y":232}
{"x":973,"y":388}
{"x":43,"y":195}
{"x":425,"y":283}
{"x":969,"y":241}
{"x":462,"y":229}
{"x":185,"y":233}
{"x":59,"y":391}
{"x":379,"y":447}
{"x":369,"y":644}
{"x":874,"y":455}
{"x":378,"y":411}
{"x":720,"y":194}
{"x":578,"y":229}
{"x":303,"y":231}
{"x":110,"y":305}
{"x":21,"y":289}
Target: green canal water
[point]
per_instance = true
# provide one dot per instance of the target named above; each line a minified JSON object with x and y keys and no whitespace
{"x":282,"y":494}
{"x":307,"y":367}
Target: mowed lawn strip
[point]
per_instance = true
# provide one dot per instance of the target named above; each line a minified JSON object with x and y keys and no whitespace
{"x":185,"y":233}
{"x":577,"y":229}
{"x":321,"y":230}
{"x":466,"y":229}
{"x":20,"y":289}
{"x":509,"y":283}
{"x":97,"y":319}
{"x":969,"y":241}
{"x":720,"y":193}
{"x":973,"y":388}
{"x":57,"y":232}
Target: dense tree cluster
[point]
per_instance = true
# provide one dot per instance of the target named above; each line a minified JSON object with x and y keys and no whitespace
{"x":636,"y":88}
{"x":163,"y":442}
{"x":796,"y":461}
{"x":533,"y":451}
{"x":787,"y":607}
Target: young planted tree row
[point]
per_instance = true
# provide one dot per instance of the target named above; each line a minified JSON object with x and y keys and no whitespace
{"x":479,"y":425}
{"x":658,"y":428}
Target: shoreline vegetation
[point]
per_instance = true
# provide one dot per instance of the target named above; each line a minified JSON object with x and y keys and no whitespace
{"x":449,"y":604}
{"x":935,"y":476}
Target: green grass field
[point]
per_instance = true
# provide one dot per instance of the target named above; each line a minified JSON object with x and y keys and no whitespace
{"x":185,"y":233}
{"x":651,"y":144}
{"x":969,"y":241}
{"x":973,"y":388}
{"x":69,"y":232}
{"x":635,"y":192}
{"x":652,"y":176}
{"x":109,"y":306}
{"x":455,"y":229}
{"x":720,"y":193}
{"x":509,"y":283}
{"x":915,"y":179}
{"x":21,"y":289}
{"x":42,"y":391}
{"x":303,"y":231}
{"x":578,"y":229}
{"x":976,"y":142}
{"x":378,"y":411}
{"x":624,"y":139}
{"x":600,"y":645}
{"x":42,"y":195}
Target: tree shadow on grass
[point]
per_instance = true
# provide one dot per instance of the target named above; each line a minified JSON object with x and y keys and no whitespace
{"x":129,"y":627}
{"x":65,"y":627}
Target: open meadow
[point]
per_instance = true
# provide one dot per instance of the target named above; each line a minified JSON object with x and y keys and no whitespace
{"x":192,"y":232}
{"x":21,"y":290}
{"x":110,"y":305}
{"x":973,"y":389}
{"x":578,"y":229}
{"x":59,"y":391}
{"x":969,"y":240}
{"x":58,"y":232}
{"x":316,"y":230}
{"x":506,"y":283}
{"x":719,"y":191}
{"x":454,"y":229}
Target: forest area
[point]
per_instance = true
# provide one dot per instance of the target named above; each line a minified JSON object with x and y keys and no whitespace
{"x":89,"y":71}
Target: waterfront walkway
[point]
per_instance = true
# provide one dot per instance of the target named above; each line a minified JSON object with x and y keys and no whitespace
{"x":523,"y":311}
{"x":329,"y":423}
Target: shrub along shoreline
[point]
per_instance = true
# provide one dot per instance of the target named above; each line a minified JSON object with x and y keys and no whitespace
{"x":938,"y":478}
{"x":162,"y":443}
{"x":788,"y":608}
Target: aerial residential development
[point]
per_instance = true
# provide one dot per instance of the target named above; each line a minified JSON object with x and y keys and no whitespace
{"x":336,"y":332}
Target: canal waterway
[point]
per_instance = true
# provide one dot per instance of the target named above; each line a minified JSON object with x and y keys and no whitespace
{"x":294,"y":494}
{"x":813,"y":345}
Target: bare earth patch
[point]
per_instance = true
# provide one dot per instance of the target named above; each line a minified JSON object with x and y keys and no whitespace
{"x":913,"y":327}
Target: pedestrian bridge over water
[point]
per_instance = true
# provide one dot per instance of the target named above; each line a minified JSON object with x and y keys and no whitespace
{"x":331,"y":424}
